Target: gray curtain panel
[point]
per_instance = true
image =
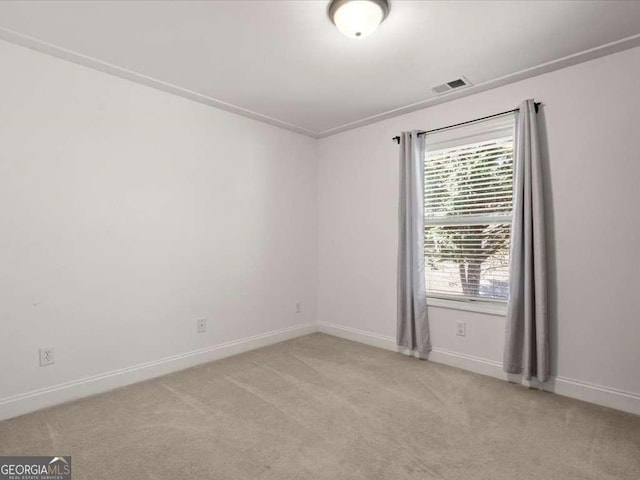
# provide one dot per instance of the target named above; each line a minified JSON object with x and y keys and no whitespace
{"x":413,"y":329}
{"x":527,"y":331}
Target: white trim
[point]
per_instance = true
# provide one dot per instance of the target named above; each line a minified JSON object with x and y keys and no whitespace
{"x":111,"y":69}
{"x":591,"y":54}
{"x":479,"y":306}
{"x":593,"y":393}
{"x":46,"y":397}
{"x":31,"y":401}
{"x":496,"y":129}
{"x":568,"y":387}
{"x":360,"y":336}
{"x":90,"y":62}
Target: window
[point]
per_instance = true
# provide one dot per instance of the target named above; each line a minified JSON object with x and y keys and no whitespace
{"x":468,"y":208}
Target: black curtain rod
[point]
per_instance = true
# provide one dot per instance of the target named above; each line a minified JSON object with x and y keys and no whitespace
{"x":537,"y":104}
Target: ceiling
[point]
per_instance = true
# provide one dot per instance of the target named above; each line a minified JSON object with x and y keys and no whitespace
{"x":284,"y":62}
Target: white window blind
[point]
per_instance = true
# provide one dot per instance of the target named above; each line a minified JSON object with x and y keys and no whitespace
{"x":468,"y":207}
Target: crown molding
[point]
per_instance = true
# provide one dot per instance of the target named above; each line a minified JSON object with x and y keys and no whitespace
{"x":105,"y":67}
{"x":584,"y":56}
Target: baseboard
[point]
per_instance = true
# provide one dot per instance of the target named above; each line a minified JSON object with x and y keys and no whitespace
{"x":568,"y":387}
{"x":359,"y":336}
{"x":38,"y":399}
{"x":592,"y":393}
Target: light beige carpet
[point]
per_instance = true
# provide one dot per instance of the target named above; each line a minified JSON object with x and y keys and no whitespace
{"x":320,"y":407}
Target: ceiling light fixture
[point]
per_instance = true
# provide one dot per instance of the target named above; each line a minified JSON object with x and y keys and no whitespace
{"x":358,"y":18}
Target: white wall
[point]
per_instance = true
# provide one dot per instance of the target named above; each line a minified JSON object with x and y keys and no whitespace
{"x":127,"y":213}
{"x":592,"y":127}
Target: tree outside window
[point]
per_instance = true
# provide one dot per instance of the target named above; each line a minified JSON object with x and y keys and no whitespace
{"x":468,"y":206}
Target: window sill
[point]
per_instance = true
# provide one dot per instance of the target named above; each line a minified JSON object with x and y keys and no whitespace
{"x":489,"y":308}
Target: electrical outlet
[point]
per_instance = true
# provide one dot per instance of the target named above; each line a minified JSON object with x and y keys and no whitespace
{"x":202,"y":325}
{"x":46,"y":356}
{"x":298,"y":307}
{"x":461,"y":328}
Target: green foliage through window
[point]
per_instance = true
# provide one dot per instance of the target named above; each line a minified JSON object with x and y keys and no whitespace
{"x":468,"y":206}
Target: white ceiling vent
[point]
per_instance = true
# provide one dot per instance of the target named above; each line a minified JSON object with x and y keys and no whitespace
{"x":452,"y":85}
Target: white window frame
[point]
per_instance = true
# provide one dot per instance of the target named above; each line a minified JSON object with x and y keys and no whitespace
{"x":496,"y":128}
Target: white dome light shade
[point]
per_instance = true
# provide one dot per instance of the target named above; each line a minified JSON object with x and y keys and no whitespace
{"x":358,"y":18}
